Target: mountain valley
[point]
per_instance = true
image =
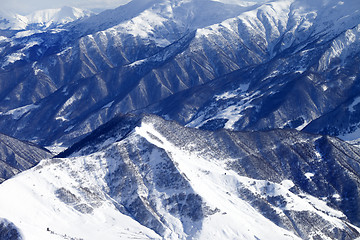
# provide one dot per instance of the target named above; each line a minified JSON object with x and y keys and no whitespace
{"x":182,"y":119}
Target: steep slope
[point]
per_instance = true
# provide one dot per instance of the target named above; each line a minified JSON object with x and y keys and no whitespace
{"x":140,"y":173}
{"x":126,"y":59}
{"x":289,"y":91}
{"x":108,"y":52}
{"x":17,"y":156}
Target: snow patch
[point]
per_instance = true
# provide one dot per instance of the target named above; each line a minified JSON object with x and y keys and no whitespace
{"x":302,"y":126}
{"x":231,"y":94}
{"x":232,"y":112}
{"x":309,"y":175}
{"x":17,"y":113}
{"x":353,"y":136}
{"x":12,"y":58}
{"x":287,"y":184}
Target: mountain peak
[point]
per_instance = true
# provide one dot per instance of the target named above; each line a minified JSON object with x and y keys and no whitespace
{"x":43,"y":19}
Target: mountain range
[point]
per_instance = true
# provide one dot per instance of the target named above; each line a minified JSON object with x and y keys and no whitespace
{"x":142,"y":55}
{"x":144,"y":177}
{"x":42,"y":19}
{"x":184,"y":119}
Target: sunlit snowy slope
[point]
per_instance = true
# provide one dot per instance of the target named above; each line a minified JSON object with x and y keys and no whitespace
{"x":146,"y":178}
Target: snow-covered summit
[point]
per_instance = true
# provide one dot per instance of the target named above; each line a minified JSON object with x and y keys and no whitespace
{"x":42,"y":19}
{"x":147,"y":178}
{"x":58,"y":16}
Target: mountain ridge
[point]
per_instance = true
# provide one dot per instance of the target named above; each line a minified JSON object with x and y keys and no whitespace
{"x":42,"y":19}
{"x":178,"y":182}
{"x":271,"y":37}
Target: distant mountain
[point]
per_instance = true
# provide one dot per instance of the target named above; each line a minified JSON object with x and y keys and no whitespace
{"x":43,"y":19}
{"x":17,"y":156}
{"x":143,"y":177}
{"x":151,"y":56}
{"x":9,"y":20}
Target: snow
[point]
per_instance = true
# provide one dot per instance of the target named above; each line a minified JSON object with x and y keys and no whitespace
{"x":309,"y":175}
{"x":137,"y":63}
{"x":108,"y":105}
{"x":63,"y":118}
{"x":318,"y":156}
{"x":38,"y":187}
{"x":17,"y":113}
{"x":240,"y":3}
{"x":56,"y":149}
{"x":231,"y":94}
{"x":210,"y":178}
{"x":231,"y":112}
{"x":64,"y":112}
{"x":353,"y":136}
{"x":44,"y":18}
{"x":20,"y":54}
{"x":287,"y":184}
{"x":12,"y":21}
{"x":341,"y":47}
{"x":207,"y":178}
{"x":2,"y":38}
{"x":302,"y":126}
{"x":12,"y":58}
{"x":337,"y":197}
{"x":144,"y":24}
{"x":353,"y":104}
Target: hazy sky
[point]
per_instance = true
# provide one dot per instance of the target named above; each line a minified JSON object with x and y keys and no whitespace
{"x":27,"y":6}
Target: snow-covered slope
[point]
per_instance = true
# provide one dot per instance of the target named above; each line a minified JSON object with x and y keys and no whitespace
{"x":9,"y":20}
{"x":143,"y":177}
{"x":55,"y":17}
{"x":254,"y":65}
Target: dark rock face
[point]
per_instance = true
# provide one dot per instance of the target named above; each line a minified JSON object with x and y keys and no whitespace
{"x":8,"y":231}
{"x":136,"y":170}
{"x":17,"y":156}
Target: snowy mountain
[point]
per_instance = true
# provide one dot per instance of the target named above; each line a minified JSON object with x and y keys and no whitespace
{"x":259,"y":85}
{"x":274,"y":52}
{"x":143,"y":177}
{"x":9,"y":20}
{"x":42,"y":19}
